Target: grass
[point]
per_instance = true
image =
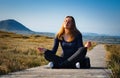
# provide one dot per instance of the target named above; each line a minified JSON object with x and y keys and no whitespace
{"x":113,"y":59}
{"x":19,"y":52}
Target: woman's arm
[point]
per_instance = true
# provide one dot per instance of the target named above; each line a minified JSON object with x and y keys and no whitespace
{"x":80,"y":41}
{"x":54,"y":49}
{"x":55,"y":46}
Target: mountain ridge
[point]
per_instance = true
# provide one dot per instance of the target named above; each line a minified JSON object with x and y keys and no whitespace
{"x":11,"y":25}
{"x":18,"y":28}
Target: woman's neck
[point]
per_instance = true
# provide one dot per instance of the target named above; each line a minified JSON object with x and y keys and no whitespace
{"x":67,"y":31}
{"x":67,"y":36}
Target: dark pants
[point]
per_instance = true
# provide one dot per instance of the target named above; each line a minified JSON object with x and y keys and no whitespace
{"x":60,"y":62}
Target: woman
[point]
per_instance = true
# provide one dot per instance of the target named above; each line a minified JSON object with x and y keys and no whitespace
{"x":71,"y":42}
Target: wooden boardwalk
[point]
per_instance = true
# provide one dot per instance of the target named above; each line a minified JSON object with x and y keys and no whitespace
{"x":98,"y":69}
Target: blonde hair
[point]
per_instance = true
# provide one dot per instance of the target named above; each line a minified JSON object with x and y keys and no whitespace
{"x":73,"y":31}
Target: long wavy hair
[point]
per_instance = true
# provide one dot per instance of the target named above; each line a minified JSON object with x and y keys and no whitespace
{"x":73,"y":31}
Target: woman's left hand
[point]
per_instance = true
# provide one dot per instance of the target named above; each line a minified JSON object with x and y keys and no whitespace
{"x":88,"y":44}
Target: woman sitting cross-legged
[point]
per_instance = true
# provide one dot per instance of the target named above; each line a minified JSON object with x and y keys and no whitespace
{"x":70,"y":38}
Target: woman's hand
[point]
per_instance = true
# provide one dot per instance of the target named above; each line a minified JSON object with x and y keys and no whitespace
{"x":42,"y":49}
{"x":88,"y":44}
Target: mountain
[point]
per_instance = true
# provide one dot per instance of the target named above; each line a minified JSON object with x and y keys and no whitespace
{"x":12,"y":25}
{"x":89,"y":34}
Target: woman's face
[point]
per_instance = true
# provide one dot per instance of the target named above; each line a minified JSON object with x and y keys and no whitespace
{"x":68,"y":23}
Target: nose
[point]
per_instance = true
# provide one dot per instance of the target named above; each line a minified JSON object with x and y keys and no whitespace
{"x":67,"y":23}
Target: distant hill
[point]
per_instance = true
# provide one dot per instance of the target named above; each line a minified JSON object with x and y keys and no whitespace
{"x":12,"y":25}
{"x":89,"y":34}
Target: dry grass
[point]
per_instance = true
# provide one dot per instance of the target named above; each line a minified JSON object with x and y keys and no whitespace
{"x":113,"y":59}
{"x":18,"y":52}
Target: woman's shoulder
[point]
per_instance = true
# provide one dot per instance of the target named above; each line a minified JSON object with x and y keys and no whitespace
{"x":79,"y":35}
{"x":57,"y":39}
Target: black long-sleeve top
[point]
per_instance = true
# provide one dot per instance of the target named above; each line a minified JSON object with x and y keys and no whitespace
{"x":69,"y":48}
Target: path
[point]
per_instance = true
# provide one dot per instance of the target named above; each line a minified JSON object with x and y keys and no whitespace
{"x":97,"y":70}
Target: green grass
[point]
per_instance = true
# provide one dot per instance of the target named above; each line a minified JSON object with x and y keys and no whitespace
{"x":113,"y":59}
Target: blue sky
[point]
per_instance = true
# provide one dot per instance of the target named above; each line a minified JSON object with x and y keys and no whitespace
{"x":96,"y":16}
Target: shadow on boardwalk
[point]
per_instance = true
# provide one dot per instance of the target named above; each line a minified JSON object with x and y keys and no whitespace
{"x":98,"y":69}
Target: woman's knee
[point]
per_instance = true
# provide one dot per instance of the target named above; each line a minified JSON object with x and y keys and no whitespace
{"x":83,"y":48}
{"x":48,"y":55}
{"x":82,"y":52}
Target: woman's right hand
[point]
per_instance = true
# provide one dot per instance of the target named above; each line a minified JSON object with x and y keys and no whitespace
{"x":42,"y":49}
